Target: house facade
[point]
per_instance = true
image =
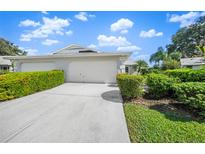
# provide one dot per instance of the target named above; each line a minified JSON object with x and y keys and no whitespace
{"x":194,"y":63}
{"x":5,"y":64}
{"x":79,"y":64}
{"x":129,"y":67}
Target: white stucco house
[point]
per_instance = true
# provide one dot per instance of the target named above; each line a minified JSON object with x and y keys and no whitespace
{"x":5,"y":64}
{"x":79,"y":64}
{"x":194,"y":63}
{"x":130,"y":66}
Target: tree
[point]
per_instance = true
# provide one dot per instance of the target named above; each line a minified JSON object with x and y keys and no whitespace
{"x":9,"y":49}
{"x":158,"y":56}
{"x":187,"y":38}
{"x":170,"y":64}
{"x":166,"y":60}
{"x":201,"y":47}
{"x":141,"y":66}
{"x":175,"y":55}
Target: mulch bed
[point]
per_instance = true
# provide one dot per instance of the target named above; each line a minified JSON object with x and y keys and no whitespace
{"x":169,"y":106}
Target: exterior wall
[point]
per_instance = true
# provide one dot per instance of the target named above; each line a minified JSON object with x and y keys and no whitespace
{"x":65,"y":63}
{"x":131,"y":69}
{"x":196,"y":67}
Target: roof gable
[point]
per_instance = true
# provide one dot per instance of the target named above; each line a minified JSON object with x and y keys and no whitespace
{"x":75,"y":49}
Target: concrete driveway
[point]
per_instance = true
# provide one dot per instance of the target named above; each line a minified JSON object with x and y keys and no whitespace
{"x":72,"y":112}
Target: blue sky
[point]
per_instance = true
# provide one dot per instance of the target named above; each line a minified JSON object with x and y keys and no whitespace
{"x":140,"y":32}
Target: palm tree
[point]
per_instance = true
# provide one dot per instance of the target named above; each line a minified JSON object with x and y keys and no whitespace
{"x":201,"y":47}
{"x":158,"y":56}
{"x":141,"y":66}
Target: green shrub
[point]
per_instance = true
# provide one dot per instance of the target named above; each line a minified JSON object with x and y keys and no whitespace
{"x":131,"y":86}
{"x":187,"y":75}
{"x":191,"y":93}
{"x":159,"y":85}
{"x":150,"y":126}
{"x":15,"y":85}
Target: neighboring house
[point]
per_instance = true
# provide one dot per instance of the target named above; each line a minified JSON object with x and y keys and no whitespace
{"x":79,"y":64}
{"x":194,"y":63}
{"x":5,"y":64}
{"x":129,"y":67}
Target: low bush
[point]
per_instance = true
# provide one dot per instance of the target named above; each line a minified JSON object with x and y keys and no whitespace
{"x":159,"y":85}
{"x":191,"y":93}
{"x":131,"y":86}
{"x":150,"y":126}
{"x":187,"y":75}
{"x":15,"y":85}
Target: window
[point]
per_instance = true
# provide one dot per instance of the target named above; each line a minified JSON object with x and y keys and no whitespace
{"x":4,"y":68}
{"x":126,"y":69}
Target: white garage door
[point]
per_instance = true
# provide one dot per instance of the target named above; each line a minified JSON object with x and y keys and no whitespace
{"x":92,"y":71}
{"x":30,"y":67}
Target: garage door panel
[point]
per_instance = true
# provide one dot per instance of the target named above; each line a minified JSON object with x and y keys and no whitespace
{"x":30,"y":67}
{"x":92,"y":71}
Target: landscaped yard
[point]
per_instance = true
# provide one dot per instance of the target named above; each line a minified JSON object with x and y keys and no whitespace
{"x":165,"y":107}
{"x":151,"y":126}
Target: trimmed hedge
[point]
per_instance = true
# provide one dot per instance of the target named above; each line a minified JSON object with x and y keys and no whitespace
{"x":150,"y":126}
{"x":131,"y":86}
{"x":159,"y":85}
{"x":191,"y":93}
{"x":20,"y":84}
{"x":187,"y":75}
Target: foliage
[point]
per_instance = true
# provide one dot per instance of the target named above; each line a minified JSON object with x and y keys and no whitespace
{"x":15,"y":85}
{"x":158,"y":56}
{"x":187,"y":38}
{"x":170,"y":64}
{"x":175,"y":55}
{"x":164,"y":60}
{"x":141,"y":66}
{"x":131,"y":86}
{"x":154,"y":70}
{"x":191,"y":93}
{"x":202,"y":49}
{"x":9,"y":49}
{"x":187,"y":75}
{"x":150,"y":126}
{"x":3,"y":72}
{"x":159,"y":85}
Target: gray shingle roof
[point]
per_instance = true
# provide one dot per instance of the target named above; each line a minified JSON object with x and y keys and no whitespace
{"x":192,"y":61}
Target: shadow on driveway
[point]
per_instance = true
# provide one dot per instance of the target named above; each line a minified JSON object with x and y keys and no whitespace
{"x":112,"y":96}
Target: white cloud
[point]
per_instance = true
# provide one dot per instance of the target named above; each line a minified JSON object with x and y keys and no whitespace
{"x":83,"y":16}
{"x":124,"y":31}
{"x":29,"y":22}
{"x":92,"y":46}
{"x":44,"y":12}
{"x":185,"y":19}
{"x":129,"y":48}
{"x":50,"y":42}
{"x":104,"y":40}
{"x":50,"y":26}
{"x":30,"y":51}
{"x":122,"y":25}
{"x":69,"y":33}
{"x":150,"y":33}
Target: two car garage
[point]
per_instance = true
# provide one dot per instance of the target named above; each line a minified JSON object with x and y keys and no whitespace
{"x":90,"y":69}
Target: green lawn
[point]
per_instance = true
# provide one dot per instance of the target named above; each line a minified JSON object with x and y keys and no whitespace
{"x":150,"y":126}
